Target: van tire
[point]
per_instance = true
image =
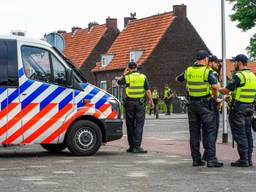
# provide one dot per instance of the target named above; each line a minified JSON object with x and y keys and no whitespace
{"x":84,"y":138}
{"x":54,"y":148}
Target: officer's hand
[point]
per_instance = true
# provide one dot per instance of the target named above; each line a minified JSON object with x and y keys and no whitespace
{"x":126,"y":71}
{"x":151,"y":104}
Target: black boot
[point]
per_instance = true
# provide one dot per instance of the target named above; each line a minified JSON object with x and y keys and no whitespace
{"x":240,"y":163}
{"x":129,"y":150}
{"x":250,"y":160}
{"x":138,"y":150}
{"x":215,"y":163}
{"x":198,"y":163}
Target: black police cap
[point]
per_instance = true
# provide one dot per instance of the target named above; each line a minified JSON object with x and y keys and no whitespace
{"x":202,"y":54}
{"x":241,"y":57}
{"x":132,"y":65}
{"x":213,"y":58}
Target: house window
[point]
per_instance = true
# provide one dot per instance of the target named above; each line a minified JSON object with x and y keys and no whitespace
{"x":103,"y":85}
{"x":106,"y":59}
{"x":135,"y":55}
{"x":117,"y":90}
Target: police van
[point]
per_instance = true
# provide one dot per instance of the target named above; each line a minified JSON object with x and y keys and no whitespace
{"x":45,"y":100}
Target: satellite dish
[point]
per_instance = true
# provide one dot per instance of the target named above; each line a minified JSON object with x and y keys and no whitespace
{"x":56,"y":40}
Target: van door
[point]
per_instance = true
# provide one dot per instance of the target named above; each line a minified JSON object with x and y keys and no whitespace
{"x":10,"y":110}
{"x":47,"y":100}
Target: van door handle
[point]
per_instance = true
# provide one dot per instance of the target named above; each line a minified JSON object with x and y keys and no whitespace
{"x":24,"y":94}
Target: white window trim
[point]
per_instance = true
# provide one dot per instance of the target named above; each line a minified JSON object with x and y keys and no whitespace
{"x":104,"y":82}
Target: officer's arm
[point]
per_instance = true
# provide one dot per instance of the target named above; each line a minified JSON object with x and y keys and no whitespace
{"x":181,"y":77}
{"x":235,"y":82}
{"x":148,"y":93}
{"x":214,"y":84}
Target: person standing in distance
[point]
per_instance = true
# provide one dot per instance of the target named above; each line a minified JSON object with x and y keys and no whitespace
{"x":243,"y":88}
{"x":168,"y":99}
{"x":199,"y":80}
{"x":137,"y":87}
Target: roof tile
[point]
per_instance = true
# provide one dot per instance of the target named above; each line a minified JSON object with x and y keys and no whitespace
{"x":142,"y":34}
{"x":80,"y":44}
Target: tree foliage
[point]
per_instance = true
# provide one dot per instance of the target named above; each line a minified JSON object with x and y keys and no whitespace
{"x":245,"y":14}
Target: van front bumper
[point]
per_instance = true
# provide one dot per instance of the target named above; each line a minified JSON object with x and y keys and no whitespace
{"x":113,"y":129}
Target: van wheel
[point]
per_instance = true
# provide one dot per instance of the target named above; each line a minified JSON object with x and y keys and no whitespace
{"x":54,"y":148}
{"x":84,"y":138}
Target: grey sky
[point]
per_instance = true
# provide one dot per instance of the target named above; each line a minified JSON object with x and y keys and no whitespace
{"x":38,"y":17}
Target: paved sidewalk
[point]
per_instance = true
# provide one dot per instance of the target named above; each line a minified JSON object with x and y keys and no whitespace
{"x":172,"y":116}
{"x":179,"y":147}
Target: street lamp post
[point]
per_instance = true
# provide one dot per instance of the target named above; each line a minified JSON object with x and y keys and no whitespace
{"x":224,"y":79}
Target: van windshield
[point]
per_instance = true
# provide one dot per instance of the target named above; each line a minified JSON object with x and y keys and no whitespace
{"x":78,"y":74}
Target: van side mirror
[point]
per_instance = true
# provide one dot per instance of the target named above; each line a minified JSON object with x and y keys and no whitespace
{"x":69,"y":78}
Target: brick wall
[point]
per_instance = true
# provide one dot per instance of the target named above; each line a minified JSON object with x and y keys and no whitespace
{"x":174,"y":53}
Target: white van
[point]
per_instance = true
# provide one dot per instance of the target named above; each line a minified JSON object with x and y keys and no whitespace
{"x":45,"y":100}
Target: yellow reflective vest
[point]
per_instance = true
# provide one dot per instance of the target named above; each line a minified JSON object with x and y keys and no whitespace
{"x":197,"y":81}
{"x":155,"y":94}
{"x":135,"y":82}
{"x":247,"y":91}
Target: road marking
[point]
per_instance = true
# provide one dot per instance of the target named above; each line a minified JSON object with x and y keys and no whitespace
{"x":46,"y":183}
{"x":34,"y":178}
{"x":153,"y":161}
{"x":186,"y":159}
{"x":3,"y":169}
{"x":38,"y":166}
{"x":173,"y":156}
{"x":64,"y":161}
{"x":248,"y":172}
{"x":64,"y":172}
{"x":137,"y":174}
{"x":212,"y":172}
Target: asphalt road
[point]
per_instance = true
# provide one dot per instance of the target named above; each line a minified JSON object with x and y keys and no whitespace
{"x":32,"y":169}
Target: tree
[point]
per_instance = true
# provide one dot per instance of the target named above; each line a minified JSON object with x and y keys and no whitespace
{"x":245,"y":14}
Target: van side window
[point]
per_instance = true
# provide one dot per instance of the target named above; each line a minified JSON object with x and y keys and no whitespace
{"x":59,"y":71}
{"x":36,"y":63}
{"x":3,"y":64}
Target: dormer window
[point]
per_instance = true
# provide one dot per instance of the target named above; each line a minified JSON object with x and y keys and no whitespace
{"x":106,"y":59}
{"x":135,"y":55}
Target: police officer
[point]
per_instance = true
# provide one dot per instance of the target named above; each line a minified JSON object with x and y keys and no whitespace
{"x":214,"y":64}
{"x":167,"y":99}
{"x":137,"y":87}
{"x":155,"y":97}
{"x":243,"y":88}
{"x":199,"y":80}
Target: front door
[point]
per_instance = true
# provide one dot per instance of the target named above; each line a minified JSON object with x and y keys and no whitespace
{"x":10,"y":109}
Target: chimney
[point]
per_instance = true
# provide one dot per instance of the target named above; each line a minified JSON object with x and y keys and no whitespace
{"x":180,"y":10}
{"x":111,"y":23}
{"x":128,"y":19}
{"x":75,"y":28}
{"x":61,"y":31}
{"x":91,"y":25}
{"x":18,"y":33}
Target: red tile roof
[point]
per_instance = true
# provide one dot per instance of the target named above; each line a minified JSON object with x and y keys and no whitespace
{"x":141,"y":34}
{"x":80,"y":44}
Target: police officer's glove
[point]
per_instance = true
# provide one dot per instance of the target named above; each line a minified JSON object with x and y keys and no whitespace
{"x":151,"y":104}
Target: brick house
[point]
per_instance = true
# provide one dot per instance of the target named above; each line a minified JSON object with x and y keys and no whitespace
{"x":85,"y":46}
{"x":163,"y":45}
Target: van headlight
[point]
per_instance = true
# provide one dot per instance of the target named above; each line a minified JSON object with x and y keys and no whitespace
{"x":115,"y":106}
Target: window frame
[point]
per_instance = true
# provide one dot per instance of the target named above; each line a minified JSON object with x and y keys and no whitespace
{"x":50,"y":53}
{"x":104,"y":81}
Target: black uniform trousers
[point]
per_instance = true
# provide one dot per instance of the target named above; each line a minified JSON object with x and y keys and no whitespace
{"x":217,"y":124}
{"x":201,"y":115}
{"x":168,"y":103}
{"x":240,"y":119}
{"x":135,"y":118}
